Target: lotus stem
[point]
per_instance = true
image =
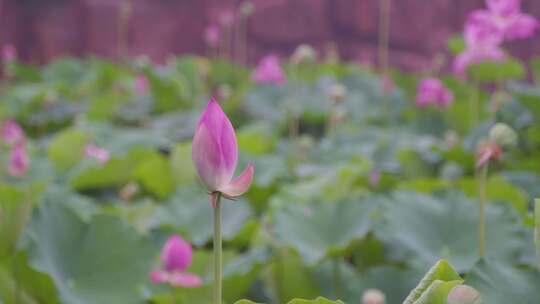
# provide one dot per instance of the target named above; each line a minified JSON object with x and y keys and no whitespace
{"x":482,"y":195}
{"x":217,"y":249}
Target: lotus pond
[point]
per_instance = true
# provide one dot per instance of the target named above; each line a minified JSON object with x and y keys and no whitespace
{"x":364,"y":189}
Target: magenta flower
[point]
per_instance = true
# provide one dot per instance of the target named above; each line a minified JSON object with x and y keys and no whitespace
{"x":506,"y":17}
{"x":141,"y":84}
{"x":12,"y":132}
{"x":268,"y":71}
{"x":176,"y":257}
{"x":215,"y":154}
{"x":9,"y":53}
{"x":482,"y":44}
{"x":18,"y":160}
{"x":100,"y":154}
{"x":212,"y":35}
{"x":433,"y":91}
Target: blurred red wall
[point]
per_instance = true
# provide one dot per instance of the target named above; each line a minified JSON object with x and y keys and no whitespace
{"x":44,"y":29}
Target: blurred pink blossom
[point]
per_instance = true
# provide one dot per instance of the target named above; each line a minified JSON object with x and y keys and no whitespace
{"x":506,"y":17}
{"x":433,"y":91}
{"x":12,"y":132}
{"x":212,"y":35}
{"x":18,"y":160}
{"x":141,"y":84}
{"x":487,"y":151}
{"x":268,"y":71}
{"x":9,"y":53}
{"x":482,"y":44}
{"x":176,"y":256}
{"x":100,"y":154}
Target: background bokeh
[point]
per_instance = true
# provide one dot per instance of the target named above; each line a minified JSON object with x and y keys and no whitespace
{"x":45,"y":29}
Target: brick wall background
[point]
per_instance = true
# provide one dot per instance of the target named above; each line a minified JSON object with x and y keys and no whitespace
{"x":44,"y":29}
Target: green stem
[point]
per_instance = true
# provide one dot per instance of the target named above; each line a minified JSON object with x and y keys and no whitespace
{"x":482,"y":212}
{"x":217,"y":250}
{"x":338,"y":284}
{"x":475,"y":105}
{"x":537,"y":227}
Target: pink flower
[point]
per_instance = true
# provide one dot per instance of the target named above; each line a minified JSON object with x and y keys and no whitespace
{"x":141,"y":84}
{"x":482,"y":44}
{"x":212,"y":35}
{"x":215,"y":154}
{"x":18,"y":160}
{"x":100,"y":154}
{"x":507,"y":18}
{"x":487,"y":151}
{"x":12,"y":132}
{"x":433,"y":91}
{"x":176,"y":257}
{"x":268,"y":71}
{"x":9,"y":53}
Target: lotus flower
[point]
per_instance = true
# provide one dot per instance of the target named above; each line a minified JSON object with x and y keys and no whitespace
{"x":18,"y":160}
{"x":215,"y":154}
{"x":433,"y":91}
{"x":506,"y":17}
{"x":176,"y":257}
{"x":9,"y":53}
{"x":212,"y":35}
{"x":12,"y":132}
{"x":487,"y":151}
{"x":268,"y":71}
{"x":100,"y":154}
{"x":482,"y":44}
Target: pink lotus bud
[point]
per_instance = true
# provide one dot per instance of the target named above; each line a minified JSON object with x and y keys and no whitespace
{"x":433,"y":91}
{"x":18,"y":160}
{"x":488,"y":151}
{"x":268,"y":71}
{"x":373,"y":296}
{"x":464,"y":294}
{"x":215,"y":153}
{"x":176,"y":257}
{"x":212,"y":35}
{"x":100,"y":154}
{"x":9,"y":53}
{"x":12,"y":132}
{"x":141,"y":84}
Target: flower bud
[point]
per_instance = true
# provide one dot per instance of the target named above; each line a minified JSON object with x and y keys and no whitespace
{"x":304,"y":53}
{"x":215,"y":154}
{"x":337,"y":93}
{"x":18,"y":160}
{"x":373,"y":296}
{"x":463,"y":294}
{"x":503,"y":135}
{"x":247,"y":8}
